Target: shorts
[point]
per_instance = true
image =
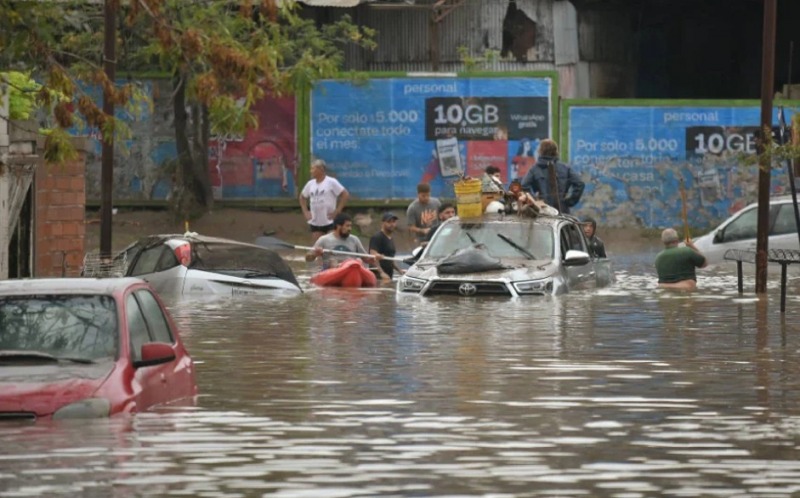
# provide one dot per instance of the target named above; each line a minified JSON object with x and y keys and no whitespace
{"x":323,"y":229}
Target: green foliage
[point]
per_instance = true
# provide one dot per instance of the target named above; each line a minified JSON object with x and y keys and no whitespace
{"x":58,"y":146}
{"x":22,"y":93}
{"x":472,"y":63}
{"x":226,"y":55}
{"x":775,"y":154}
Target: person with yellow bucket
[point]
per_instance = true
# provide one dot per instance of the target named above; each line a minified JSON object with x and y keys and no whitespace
{"x":553,"y":181}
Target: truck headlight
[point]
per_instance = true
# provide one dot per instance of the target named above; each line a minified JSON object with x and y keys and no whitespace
{"x":85,"y":408}
{"x":411,"y":284}
{"x":544,"y":286}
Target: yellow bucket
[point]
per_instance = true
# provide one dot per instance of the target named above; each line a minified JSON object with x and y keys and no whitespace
{"x":468,"y":198}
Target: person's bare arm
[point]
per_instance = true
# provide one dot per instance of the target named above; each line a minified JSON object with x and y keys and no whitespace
{"x":341,"y":201}
{"x":314,"y":253}
{"x":304,"y":206}
{"x":691,"y":246}
{"x":378,"y":256}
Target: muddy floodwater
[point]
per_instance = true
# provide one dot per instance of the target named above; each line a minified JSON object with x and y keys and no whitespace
{"x":620,"y":392}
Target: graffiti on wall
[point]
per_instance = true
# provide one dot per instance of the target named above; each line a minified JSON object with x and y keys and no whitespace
{"x":262,"y":163}
{"x":383,"y":137}
{"x":633,"y":159}
{"x":259,"y":164}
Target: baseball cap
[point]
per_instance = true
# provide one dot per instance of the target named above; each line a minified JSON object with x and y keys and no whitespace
{"x":387,"y":216}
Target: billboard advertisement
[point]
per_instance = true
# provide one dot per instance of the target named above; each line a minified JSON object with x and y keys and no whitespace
{"x":382,"y":137}
{"x":633,"y":158}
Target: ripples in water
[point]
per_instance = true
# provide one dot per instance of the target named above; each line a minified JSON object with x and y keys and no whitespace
{"x":625,"y":392}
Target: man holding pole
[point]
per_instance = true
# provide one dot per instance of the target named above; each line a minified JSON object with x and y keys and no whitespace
{"x":552,"y":181}
{"x":676,"y":265}
{"x":340,"y":239}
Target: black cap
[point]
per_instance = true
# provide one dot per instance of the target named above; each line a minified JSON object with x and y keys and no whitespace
{"x":388,"y":216}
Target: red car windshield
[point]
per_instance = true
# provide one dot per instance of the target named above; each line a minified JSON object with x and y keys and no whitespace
{"x":63,"y":326}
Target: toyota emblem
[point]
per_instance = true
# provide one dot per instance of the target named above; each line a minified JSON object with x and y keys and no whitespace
{"x":467,"y":289}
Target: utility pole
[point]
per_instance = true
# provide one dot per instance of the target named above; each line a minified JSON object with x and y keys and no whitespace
{"x":764,"y":165}
{"x":107,"y":154}
{"x":5,"y":184}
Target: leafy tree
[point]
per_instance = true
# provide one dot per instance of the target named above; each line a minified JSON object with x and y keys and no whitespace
{"x":22,"y":90}
{"x":222,"y":56}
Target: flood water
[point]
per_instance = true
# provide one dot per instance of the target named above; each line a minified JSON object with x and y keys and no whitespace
{"x":620,"y":392}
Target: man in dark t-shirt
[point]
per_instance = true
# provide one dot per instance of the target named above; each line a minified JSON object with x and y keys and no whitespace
{"x":382,"y":243}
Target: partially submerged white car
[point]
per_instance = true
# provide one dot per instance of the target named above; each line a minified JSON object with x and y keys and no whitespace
{"x":506,"y":255}
{"x":739,"y":231}
{"x":201,"y":265}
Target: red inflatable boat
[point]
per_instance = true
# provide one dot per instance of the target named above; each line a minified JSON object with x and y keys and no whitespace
{"x":351,"y":273}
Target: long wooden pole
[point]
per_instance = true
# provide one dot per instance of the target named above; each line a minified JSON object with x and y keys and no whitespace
{"x":686,"y":236}
{"x":764,"y":170}
{"x":107,"y":151}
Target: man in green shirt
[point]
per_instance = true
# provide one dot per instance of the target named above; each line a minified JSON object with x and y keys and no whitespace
{"x":676,"y":265}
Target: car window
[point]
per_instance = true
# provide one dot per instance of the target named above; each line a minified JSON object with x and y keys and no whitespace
{"x":784,"y":221}
{"x":571,"y":239}
{"x":129,"y":254}
{"x":167,"y":260}
{"x":137,"y":326}
{"x":159,"y":327}
{"x":743,"y":227}
{"x":149,"y":260}
{"x":65,"y":326}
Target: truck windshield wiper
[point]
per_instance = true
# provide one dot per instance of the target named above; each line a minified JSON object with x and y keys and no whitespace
{"x":516,"y":246}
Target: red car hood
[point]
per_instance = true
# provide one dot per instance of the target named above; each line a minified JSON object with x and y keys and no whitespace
{"x":44,"y":388}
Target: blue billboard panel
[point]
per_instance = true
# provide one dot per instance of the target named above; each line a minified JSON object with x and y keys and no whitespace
{"x":383,"y":137}
{"x":634,"y":158}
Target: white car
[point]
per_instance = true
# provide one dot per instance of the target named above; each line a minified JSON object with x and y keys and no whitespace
{"x":201,"y":265}
{"x":739,"y":231}
{"x":507,"y":256}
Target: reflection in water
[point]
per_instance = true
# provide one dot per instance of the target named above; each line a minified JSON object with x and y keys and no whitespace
{"x":628,"y":391}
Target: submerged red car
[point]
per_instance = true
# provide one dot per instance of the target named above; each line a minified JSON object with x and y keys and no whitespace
{"x":83,"y":348}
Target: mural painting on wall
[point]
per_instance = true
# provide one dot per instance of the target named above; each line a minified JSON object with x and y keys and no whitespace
{"x":259,"y":164}
{"x":262,"y":163}
{"x":142,"y":162}
{"x":383,"y":137}
{"x":633,"y":159}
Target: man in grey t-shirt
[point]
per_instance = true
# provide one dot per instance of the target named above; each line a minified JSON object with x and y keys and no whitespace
{"x":422,"y":213}
{"x":340,"y":239}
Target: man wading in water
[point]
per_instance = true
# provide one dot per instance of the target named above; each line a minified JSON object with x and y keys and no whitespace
{"x":676,"y":265}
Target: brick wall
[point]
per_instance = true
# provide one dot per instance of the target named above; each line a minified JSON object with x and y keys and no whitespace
{"x":59,"y":210}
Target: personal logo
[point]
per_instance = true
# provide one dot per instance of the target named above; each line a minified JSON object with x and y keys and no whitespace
{"x":467,"y":289}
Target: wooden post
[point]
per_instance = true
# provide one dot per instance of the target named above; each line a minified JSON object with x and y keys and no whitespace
{"x":764,"y":169}
{"x":5,"y":190}
{"x":107,"y":151}
{"x":434,"y":41}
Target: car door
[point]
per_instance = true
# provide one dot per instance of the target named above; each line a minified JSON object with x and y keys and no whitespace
{"x":150,"y":383}
{"x":178,"y":374}
{"x":580,"y":276}
{"x":739,"y":233}
{"x":159,"y":266}
{"x":783,"y":231}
